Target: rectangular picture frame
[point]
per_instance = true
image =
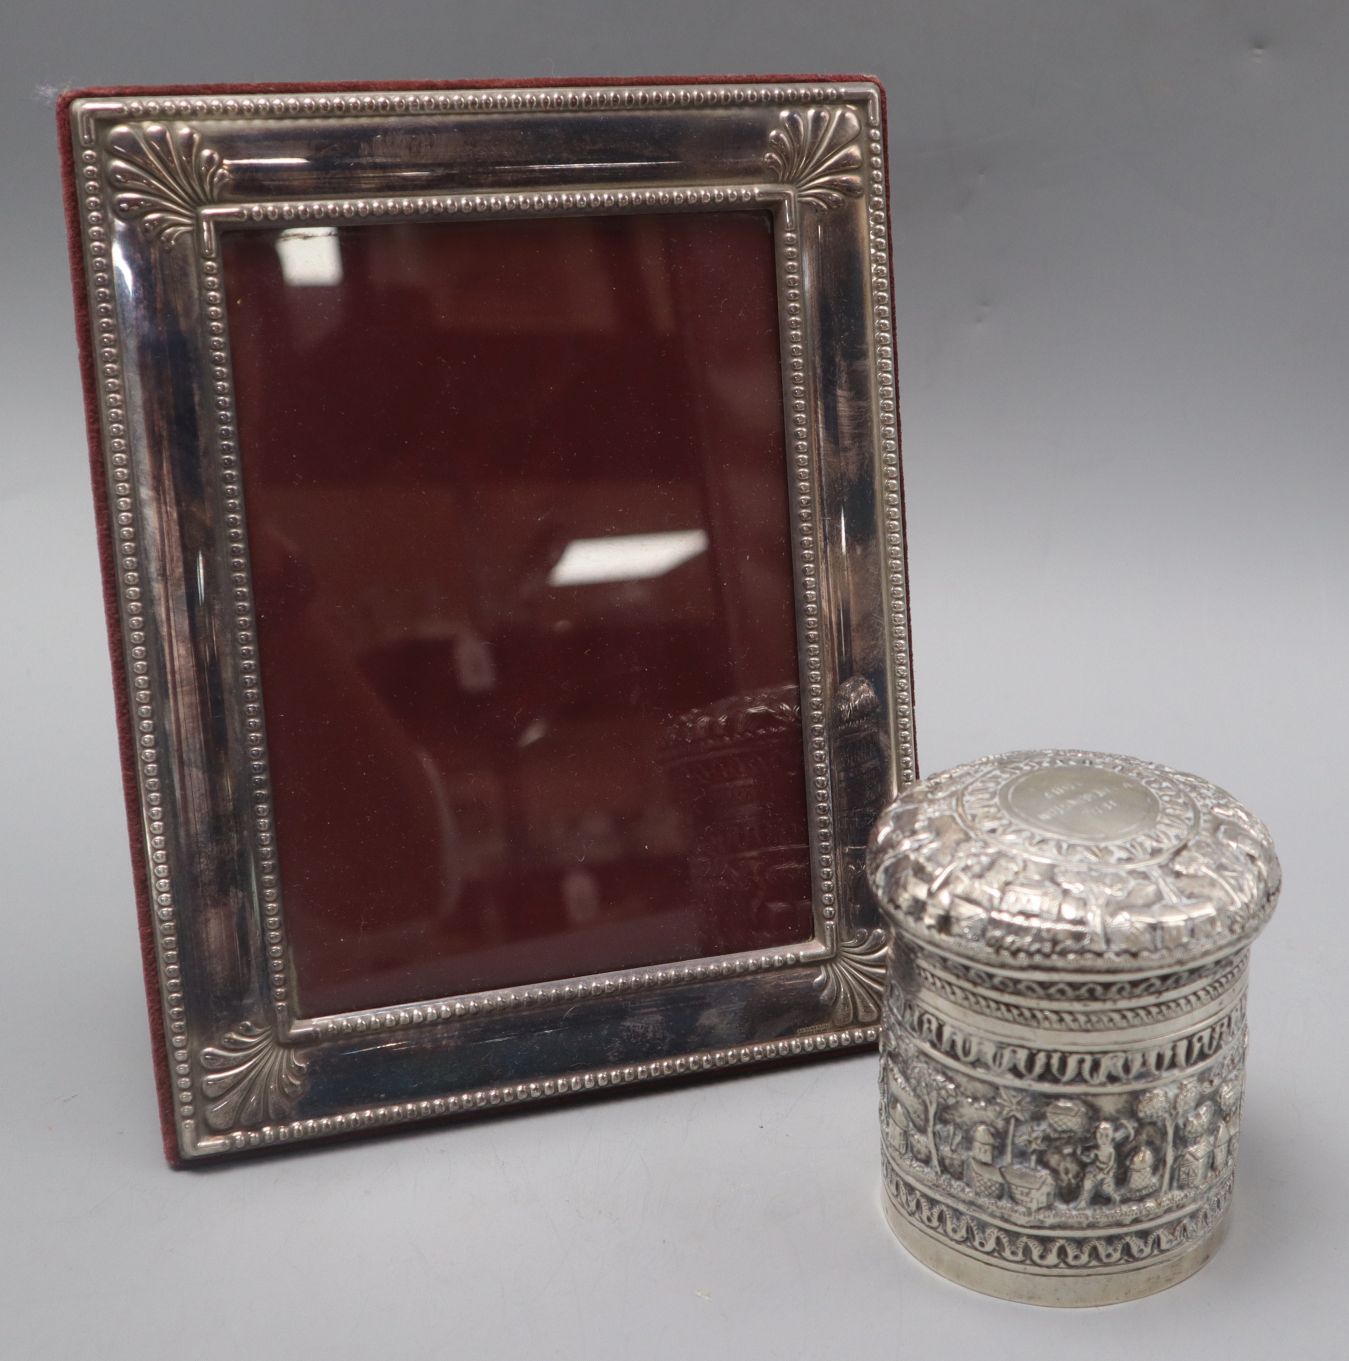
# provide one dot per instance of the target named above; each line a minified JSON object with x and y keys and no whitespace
{"x":155,"y":179}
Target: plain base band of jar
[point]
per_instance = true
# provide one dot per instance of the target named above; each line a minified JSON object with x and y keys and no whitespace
{"x":1059,"y":1289}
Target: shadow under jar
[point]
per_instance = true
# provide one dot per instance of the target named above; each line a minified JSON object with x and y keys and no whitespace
{"x":1062,"y":1058}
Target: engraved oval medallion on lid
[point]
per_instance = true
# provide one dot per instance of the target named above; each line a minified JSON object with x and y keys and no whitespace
{"x":1082,"y":803}
{"x":1087,"y":807}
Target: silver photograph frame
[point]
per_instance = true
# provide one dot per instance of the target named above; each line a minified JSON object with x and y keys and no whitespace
{"x":157,"y":178}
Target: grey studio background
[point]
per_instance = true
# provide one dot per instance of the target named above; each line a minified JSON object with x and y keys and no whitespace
{"x":1122,"y":258}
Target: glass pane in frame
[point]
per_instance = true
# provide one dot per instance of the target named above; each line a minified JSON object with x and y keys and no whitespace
{"x":528,"y":648}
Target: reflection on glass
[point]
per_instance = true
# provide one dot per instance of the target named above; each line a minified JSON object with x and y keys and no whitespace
{"x":626,"y":557}
{"x":517,"y":504}
{"x":310,"y":256}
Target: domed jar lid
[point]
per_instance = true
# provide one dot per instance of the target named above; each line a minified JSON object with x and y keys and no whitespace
{"x":1073,"y":860}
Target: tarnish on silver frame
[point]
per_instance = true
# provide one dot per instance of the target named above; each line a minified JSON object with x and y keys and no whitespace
{"x":157,"y":180}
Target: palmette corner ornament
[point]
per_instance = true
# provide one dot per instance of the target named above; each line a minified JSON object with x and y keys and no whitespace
{"x":1064,"y":1032}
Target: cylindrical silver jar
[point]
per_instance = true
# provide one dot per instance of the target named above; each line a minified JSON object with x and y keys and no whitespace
{"x":1062,"y":1056}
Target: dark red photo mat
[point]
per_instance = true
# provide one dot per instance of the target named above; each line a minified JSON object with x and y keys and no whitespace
{"x":517,"y":504}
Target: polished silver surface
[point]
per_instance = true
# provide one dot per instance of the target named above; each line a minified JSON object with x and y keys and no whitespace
{"x":158,"y":179}
{"x":1065,"y":1020}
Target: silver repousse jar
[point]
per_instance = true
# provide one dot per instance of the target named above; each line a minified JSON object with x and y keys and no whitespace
{"x":1062,"y":1056}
